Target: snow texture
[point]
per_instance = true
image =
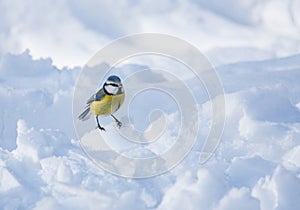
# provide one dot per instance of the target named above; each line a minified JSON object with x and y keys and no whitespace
{"x":255,"y":47}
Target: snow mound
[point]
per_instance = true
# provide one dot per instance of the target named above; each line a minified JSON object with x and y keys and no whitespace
{"x":255,"y":46}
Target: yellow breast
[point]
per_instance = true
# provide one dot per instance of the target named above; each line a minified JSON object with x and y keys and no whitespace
{"x":107,"y":105}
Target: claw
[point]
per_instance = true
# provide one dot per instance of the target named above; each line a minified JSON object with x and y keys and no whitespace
{"x":99,"y":126}
{"x":119,"y":124}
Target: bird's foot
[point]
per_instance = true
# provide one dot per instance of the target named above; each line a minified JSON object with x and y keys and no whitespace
{"x":119,"y":124}
{"x":101,"y":128}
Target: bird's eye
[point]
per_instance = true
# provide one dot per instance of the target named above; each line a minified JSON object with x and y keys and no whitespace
{"x":115,"y":85}
{"x":111,"y":84}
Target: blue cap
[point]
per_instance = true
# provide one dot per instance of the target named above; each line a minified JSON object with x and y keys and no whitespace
{"x":114,"y":78}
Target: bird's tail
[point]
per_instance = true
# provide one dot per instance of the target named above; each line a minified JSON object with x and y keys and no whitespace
{"x":85,"y":114}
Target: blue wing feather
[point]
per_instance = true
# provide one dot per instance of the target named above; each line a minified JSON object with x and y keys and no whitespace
{"x":96,"y":97}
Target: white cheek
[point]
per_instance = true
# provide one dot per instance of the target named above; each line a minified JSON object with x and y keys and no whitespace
{"x":111,"y":89}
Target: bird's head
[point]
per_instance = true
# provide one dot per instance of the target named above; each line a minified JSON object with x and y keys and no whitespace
{"x":113,"y":85}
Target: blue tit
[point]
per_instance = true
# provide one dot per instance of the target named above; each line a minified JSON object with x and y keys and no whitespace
{"x":106,"y":101}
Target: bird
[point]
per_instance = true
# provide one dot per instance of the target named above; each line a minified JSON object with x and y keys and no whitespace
{"x":105,"y":101}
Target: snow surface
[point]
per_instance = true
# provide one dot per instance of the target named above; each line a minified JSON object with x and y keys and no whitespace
{"x":255,"y":46}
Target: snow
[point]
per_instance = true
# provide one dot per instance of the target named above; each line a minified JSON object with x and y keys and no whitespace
{"x":255,"y":48}
{"x":292,"y":158}
{"x":238,"y":199}
{"x":274,"y":191}
{"x":8,"y":181}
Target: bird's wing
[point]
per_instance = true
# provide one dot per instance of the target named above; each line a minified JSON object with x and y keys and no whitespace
{"x":96,"y":97}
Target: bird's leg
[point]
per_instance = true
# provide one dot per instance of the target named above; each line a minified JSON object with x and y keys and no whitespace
{"x":119,"y":123}
{"x":99,"y":126}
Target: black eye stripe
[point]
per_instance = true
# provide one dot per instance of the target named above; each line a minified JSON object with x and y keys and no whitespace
{"x":112,"y":84}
